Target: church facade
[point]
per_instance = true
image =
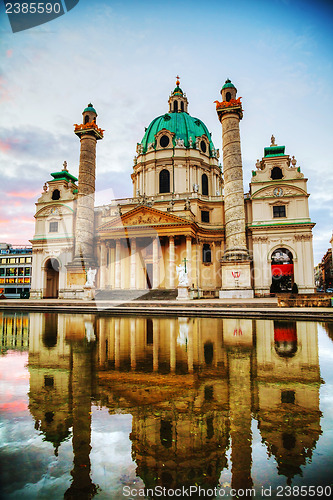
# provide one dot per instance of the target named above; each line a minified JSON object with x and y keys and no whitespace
{"x":186,"y":210}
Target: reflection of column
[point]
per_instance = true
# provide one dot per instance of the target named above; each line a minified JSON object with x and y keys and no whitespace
{"x":156,"y":342}
{"x":133,"y":263}
{"x":189,"y":259}
{"x":82,"y":486}
{"x":156,"y":278}
{"x":172,"y":346}
{"x":133,"y":353}
{"x":116,"y":343}
{"x":102,"y":266}
{"x":190,"y":348}
{"x":117,"y":265}
{"x":240,"y":416}
{"x":171,"y":262}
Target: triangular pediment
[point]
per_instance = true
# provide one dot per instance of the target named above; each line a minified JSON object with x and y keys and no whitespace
{"x":143,"y":216}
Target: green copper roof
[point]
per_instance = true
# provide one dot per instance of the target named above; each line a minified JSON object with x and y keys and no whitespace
{"x":63,"y":176}
{"x":228,"y":85}
{"x":182,"y":125}
{"x":90,"y":108}
{"x":177,"y":90}
{"x":274,"y":151}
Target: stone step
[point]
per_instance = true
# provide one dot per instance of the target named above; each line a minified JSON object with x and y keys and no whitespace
{"x":129,"y":295}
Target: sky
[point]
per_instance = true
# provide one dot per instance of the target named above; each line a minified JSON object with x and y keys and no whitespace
{"x":124,"y":57}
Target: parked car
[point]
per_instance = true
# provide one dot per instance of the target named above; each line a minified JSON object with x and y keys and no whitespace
{"x":320,"y":290}
{"x":329,"y":290}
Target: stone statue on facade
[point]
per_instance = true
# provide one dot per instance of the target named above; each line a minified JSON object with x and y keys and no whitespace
{"x":91,"y":275}
{"x":182,"y":275}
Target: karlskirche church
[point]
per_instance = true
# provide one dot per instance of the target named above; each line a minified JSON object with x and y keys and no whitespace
{"x":187,"y":211}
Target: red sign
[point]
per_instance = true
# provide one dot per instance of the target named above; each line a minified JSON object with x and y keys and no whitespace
{"x":282,"y":270}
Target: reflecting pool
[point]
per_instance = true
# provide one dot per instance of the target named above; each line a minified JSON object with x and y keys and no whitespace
{"x":132,"y":407}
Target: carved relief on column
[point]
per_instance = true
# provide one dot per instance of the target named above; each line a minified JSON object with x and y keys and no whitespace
{"x":133,"y":264}
{"x":171,"y":262}
{"x":118,"y":265}
{"x":156,"y":263}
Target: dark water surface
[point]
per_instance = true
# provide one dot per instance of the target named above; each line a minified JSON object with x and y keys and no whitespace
{"x":104,"y":407}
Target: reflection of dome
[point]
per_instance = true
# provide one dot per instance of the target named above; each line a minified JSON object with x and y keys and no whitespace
{"x":183,"y":125}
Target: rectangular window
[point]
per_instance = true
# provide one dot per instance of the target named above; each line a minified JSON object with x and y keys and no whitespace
{"x":20,"y":271}
{"x":26,"y":280}
{"x":206,"y":253}
{"x":53,"y":228}
{"x":11,"y":271}
{"x":27,"y":271}
{"x":22,"y":259}
{"x":11,"y":260}
{"x":29,"y":259}
{"x":2,"y":271}
{"x":204,"y":216}
{"x":279,"y":211}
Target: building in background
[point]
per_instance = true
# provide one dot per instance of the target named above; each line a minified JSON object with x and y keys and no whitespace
{"x":185,"y":210}
{"x":15,"y":270}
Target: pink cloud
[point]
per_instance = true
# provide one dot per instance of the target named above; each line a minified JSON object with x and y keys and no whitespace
{"x":4,"y":146}
{"x":24,"y":194}
{"x":4,"y":92}
{"x":9,"y":53}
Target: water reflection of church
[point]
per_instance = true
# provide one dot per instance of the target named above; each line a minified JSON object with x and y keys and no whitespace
{"x":192,"y":387}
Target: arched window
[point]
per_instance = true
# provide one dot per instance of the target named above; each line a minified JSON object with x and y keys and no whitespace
{"x":164,"y":181}
{"x":276,"y":173}
{"x":86,"y":119}
{"x":228,"y":96}
{"x":204,"y":184}
{"x":56,"y":194}
{"x":175,"y":106}
{"x":182,"y":105}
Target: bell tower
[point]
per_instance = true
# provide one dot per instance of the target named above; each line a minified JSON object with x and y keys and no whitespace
{"x":236,"y":276}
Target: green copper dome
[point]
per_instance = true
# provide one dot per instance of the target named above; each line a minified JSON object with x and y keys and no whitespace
{"x":90,"y":108}
{"x":182,"y":125}
{"x":228,"y":85}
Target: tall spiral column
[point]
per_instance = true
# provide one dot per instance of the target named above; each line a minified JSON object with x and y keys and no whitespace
{"x":84,"y":257}
{"x":236,"y":276}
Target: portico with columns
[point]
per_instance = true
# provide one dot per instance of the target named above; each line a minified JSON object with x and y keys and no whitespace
{"x":137,"y":256}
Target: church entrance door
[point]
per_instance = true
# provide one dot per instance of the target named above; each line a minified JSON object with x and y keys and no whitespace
{"x":282,"y":271}
{"x":52,"y":279}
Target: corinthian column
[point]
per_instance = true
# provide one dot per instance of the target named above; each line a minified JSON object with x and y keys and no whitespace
{"x":171,"y":262}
